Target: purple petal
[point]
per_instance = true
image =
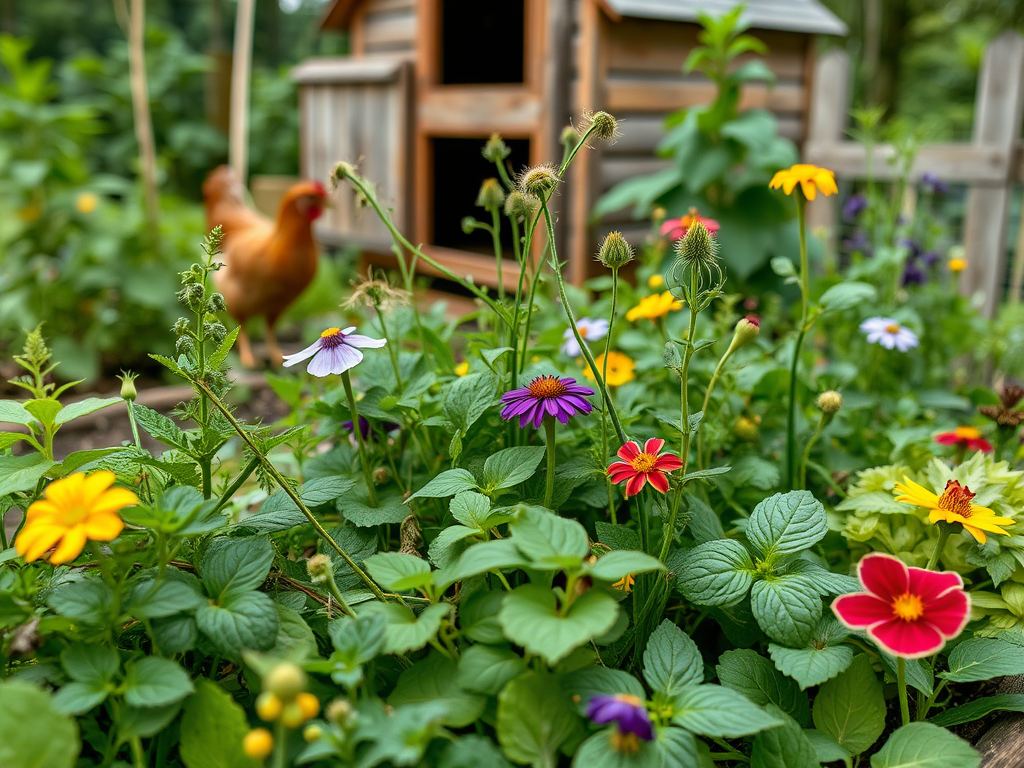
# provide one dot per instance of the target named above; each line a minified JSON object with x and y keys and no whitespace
{"x":516,"y":394}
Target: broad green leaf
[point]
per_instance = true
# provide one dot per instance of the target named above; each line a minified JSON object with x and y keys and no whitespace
{"x":231,"y":566}
{"x":672,"y":660}
{"x":481,"y":558}
{"x":84,"y":407}
{"x":511,"y":466}
{"x":213,"y":727}
{"x":471,"y":509}
{"x":155,"y":682}
{"x":33,"y":733}
{"x":356,"y":641}
{"x":398,"y":572}
{"x":448,"y":483}
{"x":786,"y":523}
{"x":847,"y":295}
{"x":826,"y":748}
{"x":788,"y":609}
{"x":548,"y":541}
{"x":850,"y":708}
{"x":149,"y":599}
{"x":435,"y":679}
{"x":711,"y":710}
{"x":982,"y":658}
{"x":473,"y":751}
{"x":756,"y":677}
{"x":21,"y":473}
{"x":478,"y":617}
{"x":7,"y":439}
{"x":390,"y":509}
{"x":486,"y":669}
{"x":679,"y":749}
{"x":90,"y":663}
{"x":88,"y":600}
{"x":617,"y":536}
{"x":44,"y":409}
{"x":468,"y":397}
{"x":405,"y":630}
{"x":244,"y":621}
{"x":923,"y":745}
{"x":784,"y":747}
{"x":79,"y":459}
{"x":820,"y":660}
{"x":535,"y":718}
{"x":717,"y":573}
{"x":530,"y":617}
{"x":977,"y":709}
{"x":295,"y":640}
{"x":77,"y":698}
{"x":598,"y":752}
{"x":13,"y":412}
{"x":445,"y":548}
{"x":145,"y":722}
{"x":618,"y":564}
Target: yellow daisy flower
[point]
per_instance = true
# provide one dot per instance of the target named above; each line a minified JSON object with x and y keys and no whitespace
{"x":73,"y":510}
{"x":954,"y":506}
{"x":811,"y":179}
{"x":653,"y":307}
{"x":620,"y":369}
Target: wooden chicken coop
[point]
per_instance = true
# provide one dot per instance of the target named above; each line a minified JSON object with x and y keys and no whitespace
{"x":428,"y":81}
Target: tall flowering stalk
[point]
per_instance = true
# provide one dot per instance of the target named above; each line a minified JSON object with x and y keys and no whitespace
{"x":810,"y":180}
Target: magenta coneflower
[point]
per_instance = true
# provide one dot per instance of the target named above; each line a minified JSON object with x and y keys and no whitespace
{"x":546,"y":396}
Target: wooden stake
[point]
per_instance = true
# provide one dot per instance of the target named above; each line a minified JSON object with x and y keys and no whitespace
{"x":238,"y":135}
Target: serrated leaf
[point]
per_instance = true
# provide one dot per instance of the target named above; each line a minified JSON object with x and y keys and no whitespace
{"x":435,"y":680}
{"x":448,"y":483}
{"x":405,"y":630}
{"x":535,"y":719}
{"x":982,"y":658}
{"x":711,"y":710}
{"x":548,"y":541}
{"x":786,"y":523}
{"x":213,"y":727}
{"x":718,"y":573}
{"x":979,"y":708}
{"x":618,"y":564}
{"x":756,"y":677}
{"x":232,"y":566}
{"x":787,"y":609}
{"x":511,"y":466}
{"x":155,"y":682}
{"x":244,"y":621}
{"x":924,"y":745}
{"x":486,"y":669}
{"x":783,"y":747}
{"x":851,"y":708}
{"x":83,"y":408}
{"x":672,"y":660}
{"x":397,"y":572}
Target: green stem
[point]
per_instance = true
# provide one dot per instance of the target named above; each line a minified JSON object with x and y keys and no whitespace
{"x":138,"y":755}
{"x":131,"y":418}
{"x":271,"y":470}
{"x":944,"y":532}
{"x":791,"y":468}
{"x":922,"y":712}
{"x":346,"y":380}
{"x":604,"y":375}
{"x":498,"y":257}
{"x":392,"y":348}
{"x":549,"y":480}
{"x":280,"y":735}
{"x":707,"y":399}
{"x":244,"y":475}
{"x":332,"y":587}
{"x":825,"y":419}
{"x":901,"y":682}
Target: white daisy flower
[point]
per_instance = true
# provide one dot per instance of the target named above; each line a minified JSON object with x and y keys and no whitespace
{"x":334,"y":352}
{"x":889,"y":333}
{"x":590,"y":329}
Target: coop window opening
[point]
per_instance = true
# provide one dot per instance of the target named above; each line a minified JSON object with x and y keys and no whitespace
{"x":482,"y":42}
{"x":459,"y":169}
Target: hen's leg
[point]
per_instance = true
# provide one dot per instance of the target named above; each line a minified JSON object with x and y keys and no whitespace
{"x":273,"y":351}
{"x":244,"y":348}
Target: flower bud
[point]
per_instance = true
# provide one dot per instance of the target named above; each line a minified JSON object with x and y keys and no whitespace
{"x":491,"y":196}
{"x":569,"y":139}
{"x":468,"y":225}
{"x":603,"y":126}
{"x":829,"y":402}
{"x":128,"y":391}
{"x":538,"y":180}
{"x":745,"y":429}
{"x":381,"y":475}
{"x":495,"y":149}
{"x":519,"y":205}
{"x":343,"y":171}
{"x":615,"y":252}
{"x":309,"y":704}
{"x":746,"y":329}
{"x":268,"y":706}
{"x":286,"y":681}
{"x":292,"y":715}
{"x":312,"y":733}
{"x":258,"y":743}
{"x":319,"y":568}
{"x":339,"y":712}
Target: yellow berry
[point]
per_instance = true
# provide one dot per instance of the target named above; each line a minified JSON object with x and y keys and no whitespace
{"x":286,"y":681}
{"x":292,"y":715}
{"x":268,"y":706}
{"x":312,"y":733}
{"x":258,"y":743}
{"x":309,"y":704}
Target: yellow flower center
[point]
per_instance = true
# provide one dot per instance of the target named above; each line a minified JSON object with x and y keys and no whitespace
{"x":644,"y":462}
{"x":625,"y":743}
{"x":908,"y":607}
{"x":330,"y":332}
{"x":547,"y":386}
{"x":892,"y":328}
{"x":628,"y":698}
{"x":956,"y":498}
{"x":967,"y":433}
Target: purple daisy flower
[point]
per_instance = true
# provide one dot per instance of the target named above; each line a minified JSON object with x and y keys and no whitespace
{"x":546,"y":396}
{"x":626,"y":711}
{"x":334,"y":352}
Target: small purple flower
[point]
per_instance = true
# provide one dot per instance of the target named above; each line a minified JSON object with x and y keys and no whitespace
{"x":911,"y":245}
{"x":364,"y":427}
{"x":859,"y":243}
{"x":930,"y":258}
{"x":913,"y":274}
{"x":626,"y":711}
{"x":334,"y":352}
{"x":931,"y":181}
{"x":854,"y":206}
{"x":546,"y":396}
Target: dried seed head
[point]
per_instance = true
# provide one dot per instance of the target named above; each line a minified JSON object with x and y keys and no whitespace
{"x":615,"y":252}
{"x":377,"y":294}
{"x":1010,"y":395}
{"x":518,"y":205}
{"x":495,"y":149}
{"x":538,"y":180}
{"x":381,"y":475}
{"x":829,"y":402}
{"x":410,"y":537}
{"x":341,"y":172}
{"x":601,"y":124}
{"x":491,"y":196}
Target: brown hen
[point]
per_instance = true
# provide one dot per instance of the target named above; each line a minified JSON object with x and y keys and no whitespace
{"x":267,"y":264}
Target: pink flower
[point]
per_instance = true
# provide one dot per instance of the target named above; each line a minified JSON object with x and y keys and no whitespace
{"x":908,"y":612}
{"x":676,"y":228}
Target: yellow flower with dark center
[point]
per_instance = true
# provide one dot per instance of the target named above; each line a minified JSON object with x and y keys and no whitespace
{"x":653,"y":307}
{"x":620,"y":369}
{"x":73,"y":510}
{"x":811,"y":179}
{"x":954,"y":506}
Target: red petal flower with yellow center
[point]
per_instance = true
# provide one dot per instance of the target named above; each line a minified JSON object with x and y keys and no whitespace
{"x":639,"y":467}
{"x":954,"y":506}
{"x":908,"y":612}
{"x":966,"y":437}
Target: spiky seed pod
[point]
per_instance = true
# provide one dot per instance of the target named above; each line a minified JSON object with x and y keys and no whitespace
{"x":696,"y":275}
{"x":128,"y":391}
{"x":518,"y":205}
{"x":538,"y":180}
{"x":495,"y":149}
{"x":217,"y":303}
{"x":615,"y":252}
{"x":602,"y":125}
{"x":829,"y":402}
{"x":411,"y":537}
{"x":569,"y":139}
{"x":491,"y":196}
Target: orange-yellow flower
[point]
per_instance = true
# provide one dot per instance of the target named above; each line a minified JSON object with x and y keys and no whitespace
{"x":73,"y":510}
{"x":954,"y":506}
{"x":86,"y":203}
{"x":620,"y":369}
{"x":811,"y":179}
{"x":653,"y":307}
{"x":957,"y":265}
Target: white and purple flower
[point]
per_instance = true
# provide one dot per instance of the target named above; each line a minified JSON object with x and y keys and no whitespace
{"x":889,"y":333}
{"x":335,"y":352}
{"x":589,"y":328}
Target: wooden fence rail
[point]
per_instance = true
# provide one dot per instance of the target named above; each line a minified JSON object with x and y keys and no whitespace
{"x":990,"y":164}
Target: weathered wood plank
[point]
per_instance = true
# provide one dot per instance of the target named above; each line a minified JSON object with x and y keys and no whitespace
{"x":474,"y":110}
{"x":616,"y":169}
{"x":830,"y":102}
{"x":336,"y":70}
{"x":952,"y":162}
{"x":636,"y":94}
{"x":388,"y":32}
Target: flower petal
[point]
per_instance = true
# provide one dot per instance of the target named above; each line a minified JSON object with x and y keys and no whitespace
{"x":658,"y":481}
{"x":929,"y":585}
{"x":355,"y":340}
{"x":861,"y":610}
{"x":629,"y":451}
{"x":636,"y":484}
{"x":883,"y":575}
{"x":33,"y":540}
{"x":105,"y":527}
{"x":298,"y":357}
{"x":654,"y":445}
{"x":949,"y":613}
{"x":668,"y":462}
{"x":909,"y":639}
{"x":70,"y":547}
{"x":114,"y":500}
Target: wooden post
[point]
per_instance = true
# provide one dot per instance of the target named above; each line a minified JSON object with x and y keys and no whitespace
{"x":997,"y":121}
{"x":238,"y":136}
{"x":830,"y":100}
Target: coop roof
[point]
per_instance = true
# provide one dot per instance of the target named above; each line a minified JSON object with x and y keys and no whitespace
{"x":789,"y":15}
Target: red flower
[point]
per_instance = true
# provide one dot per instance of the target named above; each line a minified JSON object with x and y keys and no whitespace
{"x":676,"y":228}
{"x":908,"y":612}
{"x":968,"y":437}
{"x":646,"y":466}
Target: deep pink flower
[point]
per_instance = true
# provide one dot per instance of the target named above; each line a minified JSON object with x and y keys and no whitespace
{"x":908,"y":612}
{"x":967,"y":437}
{"x":546,"y":396}
{"x":677,"y":228}
{"x":646,"y":466}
